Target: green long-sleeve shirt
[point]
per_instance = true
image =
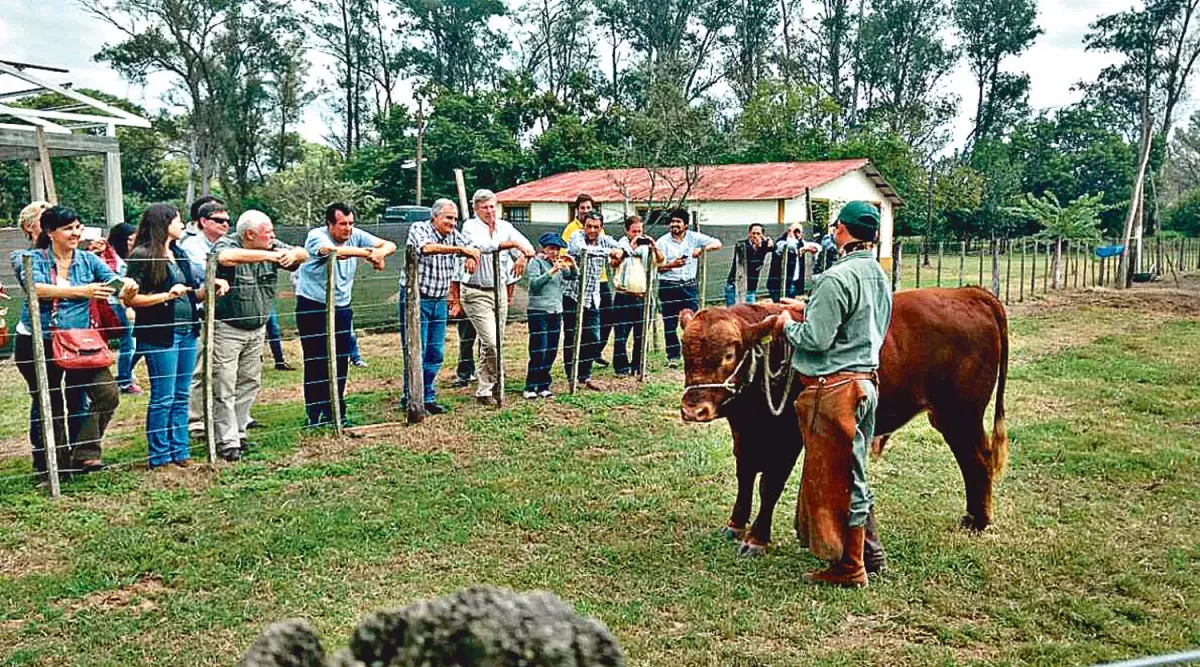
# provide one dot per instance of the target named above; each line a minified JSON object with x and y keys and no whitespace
{"x":845,"y":320}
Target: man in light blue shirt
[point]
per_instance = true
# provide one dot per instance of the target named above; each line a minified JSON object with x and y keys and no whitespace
{"x":677,"y":288}
{"x":341,"y":244}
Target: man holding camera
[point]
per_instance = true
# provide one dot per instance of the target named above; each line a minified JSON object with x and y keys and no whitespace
{"x":584,"y":207}
{"x":677,"y":286}
{"x":630,"y":289}
{"x":788,"y":281}
{"x":750,"y":253}
{"x":592,"y":249}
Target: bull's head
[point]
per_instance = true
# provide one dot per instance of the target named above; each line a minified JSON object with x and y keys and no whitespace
{"x":716,"y":348}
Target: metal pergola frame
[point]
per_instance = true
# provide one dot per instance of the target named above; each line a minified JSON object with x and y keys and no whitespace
{"x":36,"y":135}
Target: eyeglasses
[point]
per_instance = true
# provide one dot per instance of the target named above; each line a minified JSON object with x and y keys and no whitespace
{"x":220,"y":221}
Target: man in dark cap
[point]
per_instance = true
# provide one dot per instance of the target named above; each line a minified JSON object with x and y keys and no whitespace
{"x":677,"y":286}
{"x":836,"y":355}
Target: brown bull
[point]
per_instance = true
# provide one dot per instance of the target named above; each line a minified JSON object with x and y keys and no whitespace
{"x":945,"y":351}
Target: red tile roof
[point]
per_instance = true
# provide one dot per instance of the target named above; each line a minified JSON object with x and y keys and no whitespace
{"x":731,"y":182}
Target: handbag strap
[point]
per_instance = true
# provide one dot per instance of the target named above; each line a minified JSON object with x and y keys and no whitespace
{"x":53,"y":281}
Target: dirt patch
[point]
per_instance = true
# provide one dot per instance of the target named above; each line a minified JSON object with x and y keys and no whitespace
{"x":137,"y":597}
{"x":880,"y":633}
{"x":31,"y":558}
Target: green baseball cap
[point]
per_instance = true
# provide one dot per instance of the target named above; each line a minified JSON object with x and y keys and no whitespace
{"x":860,"y":213}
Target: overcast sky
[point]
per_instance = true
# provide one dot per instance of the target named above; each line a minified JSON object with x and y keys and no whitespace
{"x":60,"y":33}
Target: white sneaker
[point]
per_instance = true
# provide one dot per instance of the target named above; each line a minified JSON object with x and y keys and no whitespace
{"x":530,"y":394}
{"x":546,"y":393}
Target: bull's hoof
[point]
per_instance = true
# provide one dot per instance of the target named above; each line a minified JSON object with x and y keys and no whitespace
{"x":733,"y":534}
{"x":751,"y":550}
{"x":974,"y":524}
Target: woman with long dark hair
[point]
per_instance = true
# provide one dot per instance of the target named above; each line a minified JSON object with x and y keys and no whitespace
{"x":166,"y":326}
{"x":66,"y":281}
{"x":116,"y":251}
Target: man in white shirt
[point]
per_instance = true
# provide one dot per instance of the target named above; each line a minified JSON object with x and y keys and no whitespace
{"x":677,"y":287}
{"x":478,"y":291}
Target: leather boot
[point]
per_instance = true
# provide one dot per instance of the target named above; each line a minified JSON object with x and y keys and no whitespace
{"x":801,"y":521}
{"x":874,"y":557}
{"x":848,"y":572}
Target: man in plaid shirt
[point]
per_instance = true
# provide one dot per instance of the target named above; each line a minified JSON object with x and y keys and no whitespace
{"x":592,"y":249}
{"x":439,"y":245}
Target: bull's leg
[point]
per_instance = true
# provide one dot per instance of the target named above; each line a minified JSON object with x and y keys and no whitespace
{"x":740,"y":516}
{"x":963,"y":431}
{"x":770,"y":487}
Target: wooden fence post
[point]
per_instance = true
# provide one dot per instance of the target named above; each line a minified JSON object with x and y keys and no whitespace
{"x":741,"y":266}
{"x":647,"y":315}
{"x":962,"y":262}
{"x":1008,"y":274}
{"x":918,"y":265}
{"x":45,"y":408}
{"x":1021,"y":271}
{"x":941,"y":254}
{"x":210,"y":315}
{"x":501,"y":292}
{"x":897,"y":250}
{"x":577,"y":344}
{"x":995,"y":247}
{"x":1046,"y":269}
{"x":414,"y":355}
{"x":335,"y":397}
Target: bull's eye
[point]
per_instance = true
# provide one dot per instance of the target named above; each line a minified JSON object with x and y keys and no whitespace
{"x":729,"y":357}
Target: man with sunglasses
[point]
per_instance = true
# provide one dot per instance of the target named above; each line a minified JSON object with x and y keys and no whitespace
{"x":212,"y":222}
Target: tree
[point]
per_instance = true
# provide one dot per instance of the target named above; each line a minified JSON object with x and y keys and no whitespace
{"x":344,"y":31}
{"x":298,"y":195}
{"x":449,"y":43}
{"x":748,"y":47}
{"x":288,"y":95}
{"x":1079,"y":220}
{"x":1184,"y":215}
{"x":991,"y":31}
{"x":902,"y":63}
{"x":556,"y":53}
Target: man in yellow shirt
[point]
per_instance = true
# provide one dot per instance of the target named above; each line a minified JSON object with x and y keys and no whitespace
{"x":585,"y":207}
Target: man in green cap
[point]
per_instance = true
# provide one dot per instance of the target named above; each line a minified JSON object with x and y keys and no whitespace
{"x":836,"y":355}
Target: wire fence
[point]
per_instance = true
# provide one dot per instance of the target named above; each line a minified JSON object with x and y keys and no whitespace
{"x":1013,"y":269}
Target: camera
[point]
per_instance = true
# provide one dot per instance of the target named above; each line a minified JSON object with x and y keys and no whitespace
{"x":642,"y":240}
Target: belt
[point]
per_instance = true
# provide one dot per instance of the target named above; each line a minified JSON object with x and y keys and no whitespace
{"x":677,"y":283}
{"x":481,"y":289}
{"x":836,"y":379}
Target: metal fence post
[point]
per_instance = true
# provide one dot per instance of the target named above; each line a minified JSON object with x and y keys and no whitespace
{"x":45,"y":408}
{"x":413,"y":344}
{"x":210,"y":315}
{"x":335,"y":397}
{"x":498,"y":388}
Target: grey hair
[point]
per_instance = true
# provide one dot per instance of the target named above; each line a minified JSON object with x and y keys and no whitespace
{"x":441,"y":204}
{"x":481,"y":195}
{"x":250,"y":219}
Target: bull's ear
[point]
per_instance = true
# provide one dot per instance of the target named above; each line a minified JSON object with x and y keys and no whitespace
{"x":686,"y":316}
{"x":754,"y":333}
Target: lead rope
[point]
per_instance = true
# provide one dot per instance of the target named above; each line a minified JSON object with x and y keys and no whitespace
{"x":768,"y":375}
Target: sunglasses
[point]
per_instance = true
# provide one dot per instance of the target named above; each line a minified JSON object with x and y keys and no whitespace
{"x":220,"y":221}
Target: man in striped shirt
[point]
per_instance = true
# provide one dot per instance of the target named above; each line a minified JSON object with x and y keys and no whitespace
{"x":439,"y":246}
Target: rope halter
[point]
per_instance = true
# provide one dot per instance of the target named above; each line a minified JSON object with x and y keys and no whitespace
{"x":731,"y":383}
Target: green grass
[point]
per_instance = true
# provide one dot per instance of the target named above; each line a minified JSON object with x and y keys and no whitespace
{"x":612,"y":503}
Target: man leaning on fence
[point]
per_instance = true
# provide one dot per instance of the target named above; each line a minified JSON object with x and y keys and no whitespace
{"x":250,"y":260}
{"x":592,"y":251}
{"x":480,"y":297}
{"x":677,"y":286}
{"x":630,"y":287}
{"x":750,"y":253}
{"x":439,"y":246}
{"x":339,"y":243}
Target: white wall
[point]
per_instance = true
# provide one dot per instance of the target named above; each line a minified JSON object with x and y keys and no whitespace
{"x":731,"y":213}
{"x":856,"y":185}
{"x":548,"y":213}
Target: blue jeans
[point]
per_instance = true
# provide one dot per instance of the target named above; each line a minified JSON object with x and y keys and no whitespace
{"x":589,"y":342}
{"x":433,"y":341}
{"x":544,"y":331}
{"x":731,"y":295}
{"x":355,"y":355}
{"x":310,"y":325}
{"x":127,"y":356}
{"x":275,"y":336}
{"x":674,"y":299}
{"x":170,"y":369}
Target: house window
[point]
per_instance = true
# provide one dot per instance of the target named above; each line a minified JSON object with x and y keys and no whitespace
{"x":518,"y":215}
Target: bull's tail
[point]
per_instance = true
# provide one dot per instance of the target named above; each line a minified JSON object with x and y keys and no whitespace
{"x":999,"y":445}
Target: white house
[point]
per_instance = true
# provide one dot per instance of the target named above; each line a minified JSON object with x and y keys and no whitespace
{"x":775,"y":194}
